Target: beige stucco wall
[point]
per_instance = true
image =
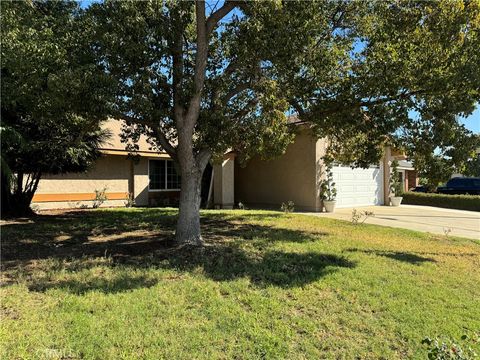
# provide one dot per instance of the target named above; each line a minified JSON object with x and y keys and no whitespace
{"x":292,"y":176}
{"x":223,"y":182}
{"x":111,"y":172}
{"x":141,"y":182}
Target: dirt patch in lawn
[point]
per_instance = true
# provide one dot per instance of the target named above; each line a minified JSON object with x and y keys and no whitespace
{"x":70,"y":235}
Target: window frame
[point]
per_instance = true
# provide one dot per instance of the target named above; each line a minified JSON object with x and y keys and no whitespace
{"x":166,"y":176}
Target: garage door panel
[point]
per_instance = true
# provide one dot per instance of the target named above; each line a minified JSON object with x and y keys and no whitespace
{"x":346,"y":176}
{"x":358,"y":187}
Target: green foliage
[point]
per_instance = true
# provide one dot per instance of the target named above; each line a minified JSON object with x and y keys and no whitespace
{"x":242,"y":108}
{"x":434,"y":170}
{"x":395,"y":182}
{"x":472,"y":166}
{"x":366,"y":73}
{"x":54,"y":93}
{"x":461,"y":202}
{"x":327,"y":185}
{"x":355,"y":70}
{"x":461,"y":157}
{"x":288,"y":207}
{"x":449,"y":350}
{"x":10,"y":138}
{"x":100,"y":197}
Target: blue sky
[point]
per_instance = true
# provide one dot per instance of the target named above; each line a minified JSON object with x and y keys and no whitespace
{"x":473,"y":121}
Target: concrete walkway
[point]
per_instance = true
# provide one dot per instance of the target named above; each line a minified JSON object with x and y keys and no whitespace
{"x":421,"y":218}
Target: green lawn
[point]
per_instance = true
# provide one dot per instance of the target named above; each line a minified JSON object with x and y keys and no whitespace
{"x":107,"y":284}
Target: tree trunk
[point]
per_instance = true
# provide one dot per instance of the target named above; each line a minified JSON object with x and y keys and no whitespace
{"x":17,"y":203}
{"x":5,"y":194}
{"x":188,"y":225}
{"x":20,"y":205}
{"x":192,"y":164}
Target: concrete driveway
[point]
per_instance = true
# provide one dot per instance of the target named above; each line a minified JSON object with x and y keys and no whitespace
{"x":421,"y":218}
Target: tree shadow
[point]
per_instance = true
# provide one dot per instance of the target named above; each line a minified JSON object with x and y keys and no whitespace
{"x":91,"y":233}
{"x":218,"y":263}
{"x":407,"y":257}
{"x":119,"y":283}
{"x":217,"y":228}
{"x":135,"y":242}
{"x":272,"y":267}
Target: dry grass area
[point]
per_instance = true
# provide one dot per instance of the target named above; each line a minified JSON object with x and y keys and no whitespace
{"x":108,"y":284}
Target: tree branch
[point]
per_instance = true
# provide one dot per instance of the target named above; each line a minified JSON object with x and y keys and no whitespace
{"x":177,"y":72}
{"x":165,"y":143}
{"x":248,"y":107}
{"x":359,"y":104}
{"x":298,"y":108}
{"x":200,"y":68}
{"x":235,"y":91}
{"x":159,"y":134}
{"x":203,"y":157}
{"x":218,"y":15}
{"x":231,"y":67}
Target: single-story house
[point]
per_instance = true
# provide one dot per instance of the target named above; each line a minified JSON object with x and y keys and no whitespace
{"x":151,"y":178}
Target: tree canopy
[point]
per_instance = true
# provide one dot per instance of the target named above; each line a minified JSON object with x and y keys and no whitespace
{"x":370,"y":73}
{"x":54,"y":95}
{"x":202,"y":78}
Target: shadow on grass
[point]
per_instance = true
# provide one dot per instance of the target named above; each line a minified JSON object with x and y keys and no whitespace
{"x":283,"y":269}
{"x":111,"y":285}
{"x":407,"y":257}
{"x":73,"y":235}
{"x":132,"y":243}
{"x":218,"y":263}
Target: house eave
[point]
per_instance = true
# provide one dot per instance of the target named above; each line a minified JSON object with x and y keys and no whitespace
{"x":149,"y":154}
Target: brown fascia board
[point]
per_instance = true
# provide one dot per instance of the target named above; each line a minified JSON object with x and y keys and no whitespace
{"x":156,"y":154}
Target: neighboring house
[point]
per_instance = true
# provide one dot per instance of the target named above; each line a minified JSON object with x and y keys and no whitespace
{"x":408,"y":175}
{"x":152,"y":180}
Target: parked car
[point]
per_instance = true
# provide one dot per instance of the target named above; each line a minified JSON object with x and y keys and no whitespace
{"x":459,"y":185}
{"x":419,"y":188}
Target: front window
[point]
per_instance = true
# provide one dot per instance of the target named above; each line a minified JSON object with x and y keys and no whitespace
{"x":163,"y":175}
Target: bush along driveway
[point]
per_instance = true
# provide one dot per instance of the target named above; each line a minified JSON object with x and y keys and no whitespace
{"x":107,"y":284}
{"x":460,"y":202}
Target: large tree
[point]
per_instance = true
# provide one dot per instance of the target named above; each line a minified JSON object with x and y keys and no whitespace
{"x":202,"y":78}
{"x":54,"y":96}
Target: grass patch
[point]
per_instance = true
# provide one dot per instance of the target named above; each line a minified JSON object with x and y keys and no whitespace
{"x":107,"y":284}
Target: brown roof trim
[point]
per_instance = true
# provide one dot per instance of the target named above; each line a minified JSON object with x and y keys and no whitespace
{"x":294,"y":120}
{"x":140,"y":153}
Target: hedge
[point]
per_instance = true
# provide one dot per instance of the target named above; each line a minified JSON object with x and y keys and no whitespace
{"x":461,"y":202}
